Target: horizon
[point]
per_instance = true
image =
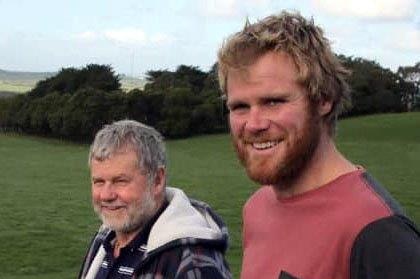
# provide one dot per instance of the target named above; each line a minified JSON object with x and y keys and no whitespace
{"x":56,"y":72}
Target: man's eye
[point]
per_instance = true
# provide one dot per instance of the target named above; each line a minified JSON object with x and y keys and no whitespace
{"x":274,"y":102}
{"x":238,"y":107}
{"x":121,"y":181}
{"x":98,"y":182}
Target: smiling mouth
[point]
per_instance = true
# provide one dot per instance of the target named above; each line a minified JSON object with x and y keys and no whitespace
{"x":111,"y":208}
{"x":265,"y":145}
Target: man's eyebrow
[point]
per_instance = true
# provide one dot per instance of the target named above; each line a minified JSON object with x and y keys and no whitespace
{"x":119,"y":176}
{"x":277,"y":93}
{"x":235,"y":103}
{"x":230,"y":102}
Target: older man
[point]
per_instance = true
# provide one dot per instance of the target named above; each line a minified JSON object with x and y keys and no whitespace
{"x":317,"y":215}
{"x":149,"y":230}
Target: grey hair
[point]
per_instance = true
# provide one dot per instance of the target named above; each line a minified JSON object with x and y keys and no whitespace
{"x":125,"y":134}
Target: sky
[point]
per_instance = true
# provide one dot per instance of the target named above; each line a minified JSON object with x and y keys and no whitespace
{"x":135,"y":36}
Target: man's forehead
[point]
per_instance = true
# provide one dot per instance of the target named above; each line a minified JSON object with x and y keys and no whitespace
{"x":236,"y":75}
{"x":239,"y":73}
{"x":106,"y":153}
{"x":122,"y":156}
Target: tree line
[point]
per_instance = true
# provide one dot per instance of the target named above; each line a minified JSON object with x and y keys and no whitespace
{"x":75,"y":103}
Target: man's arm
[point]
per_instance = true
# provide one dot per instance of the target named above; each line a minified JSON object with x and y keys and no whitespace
{"x":200,"y":263}
{"x":386,"y":249}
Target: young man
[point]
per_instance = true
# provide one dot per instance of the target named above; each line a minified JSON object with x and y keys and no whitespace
{"x":317,"y":215}
{"x":149,"y":230}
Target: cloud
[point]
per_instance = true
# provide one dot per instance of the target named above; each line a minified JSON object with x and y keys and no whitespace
{"x":406,"y":40}
{"x":86,"y":36}
{"x":126,"y":35}
{"x":232,"y":8}
{"x":220,"y":8}
{"x":369,"y":9}
{"x":161,"y":38}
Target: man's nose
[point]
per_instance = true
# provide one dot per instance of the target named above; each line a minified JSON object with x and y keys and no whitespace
{"x":108,"y":192}
{"x":257,"y":120}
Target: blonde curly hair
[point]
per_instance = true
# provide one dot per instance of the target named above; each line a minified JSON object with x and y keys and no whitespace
{"x":319,"y":69}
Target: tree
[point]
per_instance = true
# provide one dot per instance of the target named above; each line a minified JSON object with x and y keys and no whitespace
{"x":411,"y":90}
{"x":374,"y":89}
{"x":69,"y":80}
{"x":5,"y":106}
{"x":145,"y":107}
{"x":55,"y":112}
{"x":88,"y":109}
{"x":100,"y":77}
{"x":178,"y":106}
{"x":189,"y":77}
{"x":159,"y":81}
{"x":192,"y":76}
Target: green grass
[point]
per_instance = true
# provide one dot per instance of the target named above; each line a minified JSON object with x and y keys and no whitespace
{"x":389,"y":147}
{"x":7,"y":94}
{"x":25,"y":85}
{"x":45,"y":210}
{"x":130,"y":83}
{"x":16,"y":86}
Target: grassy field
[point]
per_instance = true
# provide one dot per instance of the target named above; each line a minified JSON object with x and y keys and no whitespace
{"x":22,"y":86}
{"x":45,"y":210}
{"x":16,"y":86}
{"x":7,"y":94}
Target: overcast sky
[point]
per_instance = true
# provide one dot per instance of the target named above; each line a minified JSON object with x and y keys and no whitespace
{"x":134,"y":36}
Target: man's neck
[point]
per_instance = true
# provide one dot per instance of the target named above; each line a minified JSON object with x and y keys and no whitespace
{"x":326,"y":164}
{"x":122,"y":239}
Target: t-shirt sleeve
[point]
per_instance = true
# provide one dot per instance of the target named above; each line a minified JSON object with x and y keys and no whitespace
{"x":388,"y":248}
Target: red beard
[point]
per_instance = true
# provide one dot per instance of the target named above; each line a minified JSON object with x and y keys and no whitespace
{"x":282,"y":171}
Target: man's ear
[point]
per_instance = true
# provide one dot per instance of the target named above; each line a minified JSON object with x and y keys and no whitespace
{"x":159,"y":182}
{"x":324,"y":107}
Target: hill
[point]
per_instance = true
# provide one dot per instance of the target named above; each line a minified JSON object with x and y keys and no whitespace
{"x":28,"y":76}
{"x":6,"y":94}
{"x":20,"y":82}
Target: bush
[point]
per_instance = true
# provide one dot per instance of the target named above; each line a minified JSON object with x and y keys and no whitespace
{"x":88,"y":110}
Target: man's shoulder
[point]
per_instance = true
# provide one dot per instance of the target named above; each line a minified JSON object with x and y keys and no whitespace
{"x":381,"y":193}
{"x":262,"y":194}
{"x":365,"y":200}
{"x":387,"y":248}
